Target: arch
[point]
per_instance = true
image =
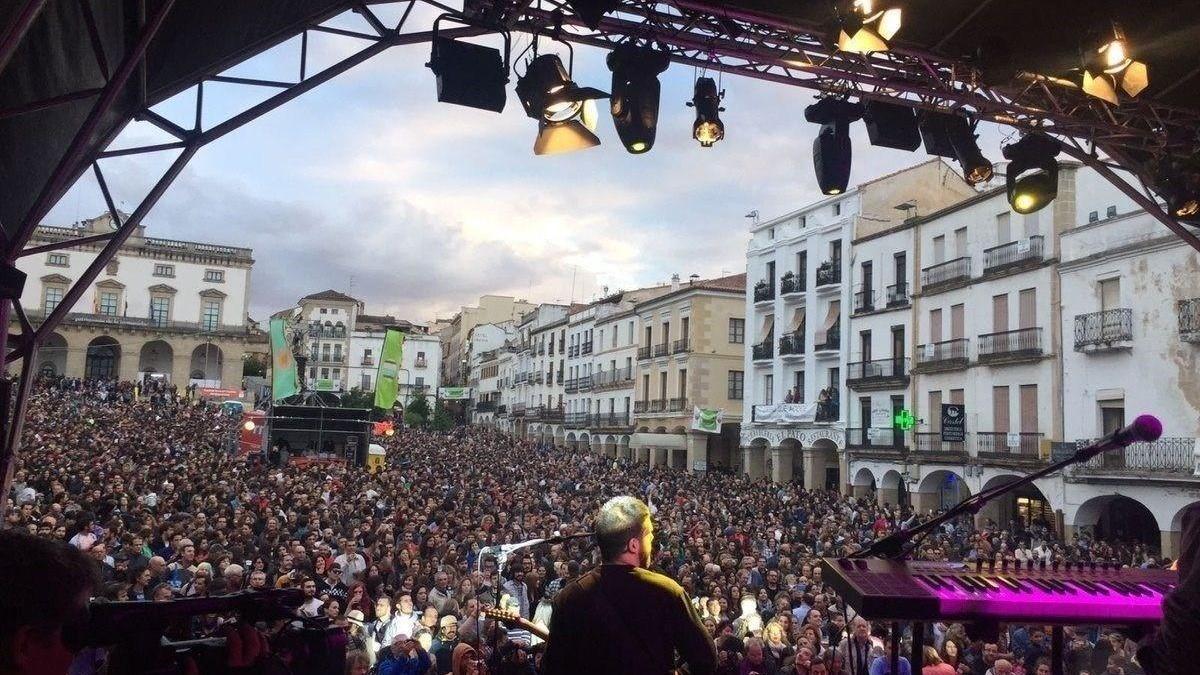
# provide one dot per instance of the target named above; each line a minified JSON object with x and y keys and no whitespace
{"x":1027,"y":504}
{"x":940,"y":489}
{"x":660,"y":430}
{"x":52,"y":355}
{"x":1113,"y":518}
{"x":103,"y":358}
{"x":890,"y":480}
{"x":865,"y":478}
{"x":207,"y":361}
{"x":571,"y":437}
{"x":157,"y":357}
{"x":1177,"y":519}
{"x":754,"y":458}
{"x":679,"y":430}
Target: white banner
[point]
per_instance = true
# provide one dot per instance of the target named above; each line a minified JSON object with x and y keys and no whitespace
{"x":786,"y":412}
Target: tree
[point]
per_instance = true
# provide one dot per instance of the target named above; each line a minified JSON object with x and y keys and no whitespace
{"x":357,"y":398}
{"x":254,"y":365}
{"x":441,"y":418}
{"x":417,"y":414}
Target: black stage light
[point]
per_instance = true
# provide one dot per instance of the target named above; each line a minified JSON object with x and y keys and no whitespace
{"x":635,"y":94}
{"x":1032,"y":180}
{"x":861,"y":29}
{"x":832,"y":151}
{"x":591,"y":11}
{"x":468,"y":74}
{"x":975,"y":167}
{"x":708,"y":128}
{"x":891,"y":126}
{"x":565,"y":111}
{"x":1180,"y":187}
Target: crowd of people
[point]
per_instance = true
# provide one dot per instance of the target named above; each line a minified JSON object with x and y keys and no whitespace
{"x":142,"y":480}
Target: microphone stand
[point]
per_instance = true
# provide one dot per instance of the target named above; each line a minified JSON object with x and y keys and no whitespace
{"x":899,"y":545}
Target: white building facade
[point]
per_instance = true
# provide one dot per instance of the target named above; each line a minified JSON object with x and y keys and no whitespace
{"x":420,"y":356}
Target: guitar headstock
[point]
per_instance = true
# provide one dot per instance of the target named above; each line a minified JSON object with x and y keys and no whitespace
{"x":503,"y":615}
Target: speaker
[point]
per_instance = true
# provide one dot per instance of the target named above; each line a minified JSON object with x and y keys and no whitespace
{"x":831,"y":158}
{"x":938,"y":131}
{"x":468,"y":74}
{"x":891,"y":126}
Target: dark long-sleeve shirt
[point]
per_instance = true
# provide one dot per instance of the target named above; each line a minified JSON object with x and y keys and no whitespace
{"x":657,"y":617}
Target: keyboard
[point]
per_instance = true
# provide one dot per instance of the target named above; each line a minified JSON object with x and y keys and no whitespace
{"x":896,"y":590}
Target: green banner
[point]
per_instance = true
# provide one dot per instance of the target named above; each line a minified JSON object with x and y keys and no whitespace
{"x":455,"y":393}
{"x":386,"y":382}
{"x":283,"y":367}
{"x":325,"y":384}
{"x":707,"y":419}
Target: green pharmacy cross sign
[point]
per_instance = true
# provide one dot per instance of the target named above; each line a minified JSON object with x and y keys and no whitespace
{"x":904,"y":419}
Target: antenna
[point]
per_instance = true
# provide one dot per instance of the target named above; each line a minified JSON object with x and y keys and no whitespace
{"x":753,"y":216}
{"x":574,"y":269}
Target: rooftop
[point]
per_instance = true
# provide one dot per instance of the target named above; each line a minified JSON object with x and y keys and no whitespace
{"x":330,"y":295}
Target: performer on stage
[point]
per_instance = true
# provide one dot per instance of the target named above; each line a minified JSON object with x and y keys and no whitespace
{"x":621,"y":617}
{"x":1174,"y":649}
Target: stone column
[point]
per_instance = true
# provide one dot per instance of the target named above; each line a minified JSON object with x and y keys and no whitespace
{"x":924,"y":502}
{"x":128,"y":367}
{"x":781,"y":464}
{"x":753,"y":461}
{"x":887,"y":496}
{"x":860,"y":490}
{"x":658,"y":457}
{"x":180,"y":365}
{"x":231,"y":367}
{"x":76,"y":354}
{"x":844,"y":468}
{"x":697,"y":450}
{"x":814,"y":468}
{"x":1170,"y":544}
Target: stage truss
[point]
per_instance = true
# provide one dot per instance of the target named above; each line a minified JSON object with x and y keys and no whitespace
{"x":1120,"y":142}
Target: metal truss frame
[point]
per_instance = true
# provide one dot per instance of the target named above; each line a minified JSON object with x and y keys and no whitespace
{"x":693,"y":32}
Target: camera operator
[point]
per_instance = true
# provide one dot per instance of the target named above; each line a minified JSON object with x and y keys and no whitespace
{"x":44,"y":604}
{"x":405,"y":656}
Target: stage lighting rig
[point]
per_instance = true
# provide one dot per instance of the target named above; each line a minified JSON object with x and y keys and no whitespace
{"x":861,"y":29}
{"x":953,"y":136}
{"x":1110,"y":68}
{"x":832,"y":151}
{"x":890,"y":125}
{"x":565,"y":111}
{"x":592,"y":11}
{"x":468,"y":74}
{"x":1179,"y":186}
{"x":708,"y":128}
{"x":635,"y":94}
{"x":1032,"y":180}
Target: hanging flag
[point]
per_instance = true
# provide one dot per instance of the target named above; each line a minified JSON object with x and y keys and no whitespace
{"x":454,"y":393}
{"x":707,"y":420}
{"x":386,"y":384}
{"x":284,"y":382}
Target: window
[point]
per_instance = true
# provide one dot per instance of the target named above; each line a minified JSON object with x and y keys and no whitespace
{"x":334,"y":310}
{"x":337,"y":373}
{"x":324,"y":311}
{"x":837,"y":209}
{"x":771,"y":233}
{"x":1110,"y":212}
{"x":367,"y":354}
{"x":210,"y":317}
{"x":58,"y":260}
{"x":365,"y":385}
{"x":324,"y":373}
{"x":769,"y":390}
{"x":1093,"y":216}
{"x":737,"y":331}
{"x":803,"y":221}
{"x":160,"y":310}
{"x":108,"y":303}
{"x":420,"y":382}
{"x":112,"y":267}
{"x":737,"y":384}
{"x":215,"y":276}
{"x":54,"y":295}
{"x":164,"y":270}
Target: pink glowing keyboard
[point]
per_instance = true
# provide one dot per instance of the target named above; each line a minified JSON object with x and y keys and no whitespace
{"x":921,"y":591}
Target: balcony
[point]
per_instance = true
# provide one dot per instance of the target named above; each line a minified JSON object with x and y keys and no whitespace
{"x":571,"y":386}
{"x":792,"y":283}
{"x":643,"y":353}
{"x":945,"y":355}
{"x":1102,"y":331}
{"x":864,"y":301}
{"x":658,"y":405}
{"x":878,"y":374}
{"x":897,"y":295}
{"x":833,"y":340}
{"x":333,"y":359}
{"x":1013,"y":254}
{"x":764,"y":291}
{"x":945,"y":274}
{"x":367,"y":361}
{"x":37,"y":316}
{"x":827,"y":412}
{"x":534,"y":413}
{"x":1189,"y":320}
{"x":520,"y":378}
{"x":420,"y":362}
{"x":931,"y":443}
{"x":573,"y":351}
{"x":791,"y":344}
{"x":327,"y":332}
{"x":541,"y":350}
{"x":681,"y":346}
{"x":1004,"y":445}
{"x":640,"y":407}
{"x":609,"y":379}
{"x":536,"y":378}
{"x":829,"y":274}
{"x":763,"y":351}
{"x":662,"y":349}
{"x":1165,"y":457}
{"x":611,"y":420}
{"x":576,"y":420}
{"x":585,"y":383}
{"x":585,"y":349}
{"x":885,"y":439}
{"x":485,"y":406}
{"x":518,"y":410}
{"x":552,"y":414}
{"x":1022,"y":344}
{"x":677,"y":405}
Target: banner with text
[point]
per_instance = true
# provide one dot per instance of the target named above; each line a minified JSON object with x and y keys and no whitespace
{"x":454,"y":393}
{"x":387,"y":386}
{"x":707,"y":420}
{"x":284,"y":382}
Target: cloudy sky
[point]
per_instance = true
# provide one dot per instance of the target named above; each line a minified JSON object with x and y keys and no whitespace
{"x":369,"y":186}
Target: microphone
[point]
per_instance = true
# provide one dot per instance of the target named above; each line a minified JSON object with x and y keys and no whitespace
{"x":1145,"y":428}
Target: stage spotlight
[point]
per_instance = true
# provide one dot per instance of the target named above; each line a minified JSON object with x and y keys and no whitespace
{"x":1110,"y":68}
{"x":891,"y":126}
{"x":832,"y":151}
{"x":561,"y":107}
{"x":861,"y":29}
{"x":708,"y":128}
{"x":592,"y":11}
{"x":1032,"y":180}
{"x":469,"y":74}
{"x":635,"y":94}
{"x":975,"y":167}
{"x":1180,"y":188}
{"x":248,"y":425}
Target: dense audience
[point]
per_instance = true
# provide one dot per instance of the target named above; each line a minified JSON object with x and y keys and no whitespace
{"x":144,"y":480}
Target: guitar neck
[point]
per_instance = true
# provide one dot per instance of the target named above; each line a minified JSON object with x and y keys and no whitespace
{"x":522,"y":623}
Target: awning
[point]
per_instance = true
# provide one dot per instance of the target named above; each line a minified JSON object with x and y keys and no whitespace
{"x":831,"y":318}
{"x":768,"y":328}
{"x":798,"y":321}
{"x":650,"y":440}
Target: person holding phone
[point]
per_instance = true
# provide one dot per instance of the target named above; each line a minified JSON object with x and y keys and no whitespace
{"x":404,"y":656}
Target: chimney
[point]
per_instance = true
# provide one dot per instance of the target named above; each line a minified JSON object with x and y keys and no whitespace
{"x":674,"y":282}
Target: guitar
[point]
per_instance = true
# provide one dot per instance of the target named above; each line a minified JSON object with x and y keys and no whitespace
{"x":512,"y":619}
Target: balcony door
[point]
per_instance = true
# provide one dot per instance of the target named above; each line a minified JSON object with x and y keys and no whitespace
{"x":958,"y":329}
{"x":867,"y":282}
{"x":898,"y":345}
{"x":864,"y":342}
{"x":1110,"y":294}
{"x":1000,"y":313}
{"x":1027,"y":311}
{"x":1000,"y":412}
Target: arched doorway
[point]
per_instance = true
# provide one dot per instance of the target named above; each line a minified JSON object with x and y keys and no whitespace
{"x":156,"y":360}
{"x":571,"y":440}
{"x":889,"y":488}
{"x":864,"y":483}
{"x":1116,"y":518}
{"x":103,"y":358}
{"x":205,"y":368}
{"x":940,"y":489}
{"x":1026,"y":505}
{"x":827,"y":470}
{"x":52,"y":356}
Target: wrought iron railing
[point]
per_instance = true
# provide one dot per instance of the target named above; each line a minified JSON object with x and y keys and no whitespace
{"x":1000,"y":443}
{"x":897,"y":294}
{"x":640,"y":407}
{"x":609,"y":377}
{"x":1103,"y":328}
{"x":1166,"y":455}
{"x":677,"y":404}
{"x":571,"y":386}
{"x":944,"y":273}
{"x":662,"y":349}
{"x":643,"y":353}
{"x":833,"y":339}
{"x":791,"y":344}
{"x":1013,"y":253}
{"x":864,"y":301}
{"x":877,"y":439}
{"x":829,"y":273}
{"x":576,"y":420}
{"x":931,"y":441}
{"x":573,"y":351}
{"x":1189,"y":319}
{"x":763,"y":350}
{"x":585,"y":349}
{"x":792,"y":284}
{"x":764,"y":291}
{"x":680,"y":346}
{"x":610,"y":420}
{"x":877,"y":371}
{"x":1010,"y":343}
{"x":585,"y":383}
{"x":658,"y":405}
{"x":944,"y":353}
